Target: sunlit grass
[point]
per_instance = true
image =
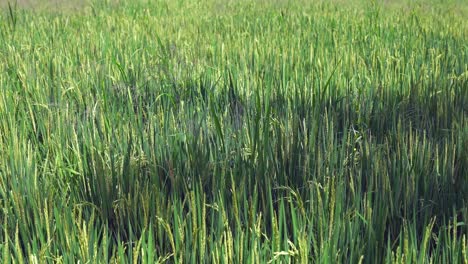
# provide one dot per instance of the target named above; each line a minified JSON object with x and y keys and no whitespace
{"x":234,"y":132}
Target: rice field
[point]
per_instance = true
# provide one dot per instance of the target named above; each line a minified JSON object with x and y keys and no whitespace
{"x":221,"y":131}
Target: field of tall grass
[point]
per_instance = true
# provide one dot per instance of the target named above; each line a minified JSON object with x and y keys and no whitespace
{"x":234,"y":132}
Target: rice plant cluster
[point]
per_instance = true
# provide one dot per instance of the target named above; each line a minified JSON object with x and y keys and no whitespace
{"x":234,"y":132}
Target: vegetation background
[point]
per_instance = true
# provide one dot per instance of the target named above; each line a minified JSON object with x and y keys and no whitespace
{"x":234,"y":132}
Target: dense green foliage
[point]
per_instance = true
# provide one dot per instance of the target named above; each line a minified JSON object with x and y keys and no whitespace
{"x":234,"y":132}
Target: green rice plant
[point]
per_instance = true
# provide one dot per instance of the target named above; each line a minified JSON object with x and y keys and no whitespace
{"x":234,"y":132}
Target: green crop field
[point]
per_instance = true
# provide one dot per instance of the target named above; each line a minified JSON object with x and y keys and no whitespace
{"x":268,"y":131}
